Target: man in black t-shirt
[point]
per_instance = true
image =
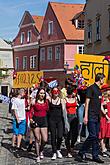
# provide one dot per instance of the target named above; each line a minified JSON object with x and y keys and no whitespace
{"x":92,"y":118}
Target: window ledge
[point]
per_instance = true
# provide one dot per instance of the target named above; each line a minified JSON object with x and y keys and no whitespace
{"x":89,"y":45}
{"x":97,"y":42}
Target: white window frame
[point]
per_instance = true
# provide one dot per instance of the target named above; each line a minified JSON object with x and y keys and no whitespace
{"x":29,"y":36}
{"x":78,"y":46}
{"x":50,"y":27}
{"x":24,"y":62}
{"x":42,"y":54}
{"x":49,"y":56}
{"x":80,"y":24}
{"x":16,"y":63}
{"x":33,"y":62}
{"x":98,"y":29}
{"x":22,"y":37}
{"x":57,"y":54}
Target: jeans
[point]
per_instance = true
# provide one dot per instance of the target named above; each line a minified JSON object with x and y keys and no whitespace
{"x":80,"y":120}
{"x":81,"y":113}
{"x":92,"y":139}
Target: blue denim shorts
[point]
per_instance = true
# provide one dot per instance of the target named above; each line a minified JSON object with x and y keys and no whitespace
{"x":19,"y":128}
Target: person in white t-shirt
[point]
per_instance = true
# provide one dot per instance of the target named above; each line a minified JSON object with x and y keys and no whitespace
{"x":19,"y":121}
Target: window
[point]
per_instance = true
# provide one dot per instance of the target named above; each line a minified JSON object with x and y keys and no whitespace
{"x":80,"y":49}
{"x":89,"y":33}
{"x":57,"y":53}
{"x":29,"y":36}
{"x":50,"y":27}
{"x":109,"y":19}
{"x":42,"y":54}
{"x":49,"y":54}
{"x":81,"y":24}
{"x":33,"y":62}
{"x":17,"y":63}
{"x":98,"y":29}
{"x":24,"y":62}
{"x":22,"y":37}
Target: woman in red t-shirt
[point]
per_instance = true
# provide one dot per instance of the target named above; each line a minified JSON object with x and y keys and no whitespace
{"x":71,"y":107}
{"x":38,"y":120}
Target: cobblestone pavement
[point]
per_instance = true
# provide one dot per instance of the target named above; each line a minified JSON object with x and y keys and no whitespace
{"x":8,"y":158}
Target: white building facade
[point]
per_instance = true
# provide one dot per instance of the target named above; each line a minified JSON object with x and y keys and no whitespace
{"x":6,"y":67}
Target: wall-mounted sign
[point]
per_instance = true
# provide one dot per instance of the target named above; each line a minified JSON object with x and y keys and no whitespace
{"x":90,"y":65}
{"x":27,"y":79}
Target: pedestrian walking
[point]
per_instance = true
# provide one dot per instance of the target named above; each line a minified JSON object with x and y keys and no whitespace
{"x":56,"y":122}
{"x":104,"y":120}
{"x":92,"y":118}
{"x":71,"y":108}
{"x":19,"y":121}
{"x":38,"y":120}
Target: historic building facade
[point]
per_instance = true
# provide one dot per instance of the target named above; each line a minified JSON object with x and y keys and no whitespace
{"x":97,"y":27}
{"x":6,"y":67}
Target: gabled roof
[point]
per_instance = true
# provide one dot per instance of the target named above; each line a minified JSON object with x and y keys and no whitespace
{"x":38,"y":21}
{"x":4,"y":44}
{"x":24,"y":15}
{"x":65,"y":13}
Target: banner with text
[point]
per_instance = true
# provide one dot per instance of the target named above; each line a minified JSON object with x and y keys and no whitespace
{"x":27,"y":79}
{"x":90,"y":65}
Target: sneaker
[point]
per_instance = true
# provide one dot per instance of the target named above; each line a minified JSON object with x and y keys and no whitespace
{"x":38,"y":159}
{"x":59,"y":155}
{"x":54,"y":156}
{"x":79,"y":139}
{"x":41,"y":155}
{"x":13,"y":149}
{"x":18,"y":150}
{"x":69,"y":155}
{"x":104,"y":154}
{"x":29,"y":147}
{"x":82,"y":156}
{"x":98,"y":160}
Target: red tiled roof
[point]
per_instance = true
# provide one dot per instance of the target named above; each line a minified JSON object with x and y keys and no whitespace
{"x":38,"y":21}
{"x":64,"y":13}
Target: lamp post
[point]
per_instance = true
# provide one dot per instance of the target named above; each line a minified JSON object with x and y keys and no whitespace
{"x":66,"y":66}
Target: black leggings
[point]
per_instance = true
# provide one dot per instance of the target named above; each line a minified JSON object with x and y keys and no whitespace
{"x":56,"y":129}
{"x":72,"y":134}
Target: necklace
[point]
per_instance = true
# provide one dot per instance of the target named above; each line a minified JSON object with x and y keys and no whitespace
{"x":55,"y":101}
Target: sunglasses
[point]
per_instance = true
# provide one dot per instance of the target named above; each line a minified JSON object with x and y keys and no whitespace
{"x":55,"y":92}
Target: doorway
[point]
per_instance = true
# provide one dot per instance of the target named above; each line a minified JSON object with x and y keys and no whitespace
{"x":4,"y":90}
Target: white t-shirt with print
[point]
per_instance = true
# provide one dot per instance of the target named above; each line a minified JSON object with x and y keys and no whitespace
{"x":19,"y":106}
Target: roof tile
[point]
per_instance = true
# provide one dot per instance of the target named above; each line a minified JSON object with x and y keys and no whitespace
{"x":64,"y":13}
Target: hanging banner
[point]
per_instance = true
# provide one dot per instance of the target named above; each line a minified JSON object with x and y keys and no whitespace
{"x":27,"y":79}
{"x":90,"y":65}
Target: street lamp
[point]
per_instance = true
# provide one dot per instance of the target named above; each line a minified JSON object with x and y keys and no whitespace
{"x":66,"y":66}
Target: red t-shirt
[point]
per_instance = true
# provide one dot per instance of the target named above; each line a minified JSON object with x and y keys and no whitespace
{"x":39,"y":110}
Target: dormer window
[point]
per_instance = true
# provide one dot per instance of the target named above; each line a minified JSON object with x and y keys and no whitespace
{"x":22,"y":37}
{"x":80,"y":24}
{"x":50,"y":27}
{"x":29,"y":36}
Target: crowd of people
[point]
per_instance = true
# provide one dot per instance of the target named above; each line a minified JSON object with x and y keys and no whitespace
{"x":62,"y":113}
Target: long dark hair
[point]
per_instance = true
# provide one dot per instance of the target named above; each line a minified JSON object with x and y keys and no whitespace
{"x":37,"y":95}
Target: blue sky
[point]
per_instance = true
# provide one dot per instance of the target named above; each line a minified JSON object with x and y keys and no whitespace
{"x":11,"y":12}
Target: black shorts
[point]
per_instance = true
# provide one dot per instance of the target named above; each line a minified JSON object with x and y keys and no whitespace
{"x":41,"y":122}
